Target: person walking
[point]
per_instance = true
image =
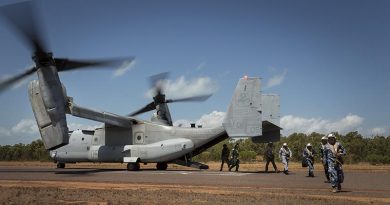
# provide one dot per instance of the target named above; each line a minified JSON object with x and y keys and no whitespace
{"x":235,"y":161}
{"x":308,"y":157}
{"x":333,"y":153}
{"x":224,"y":156}
{"x":285,"y":154}
{"x":270,"y":157}
{"x":324,"y":141}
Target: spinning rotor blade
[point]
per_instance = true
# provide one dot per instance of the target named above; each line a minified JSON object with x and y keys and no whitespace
{"x":23,"y":19}
{"x":4,"y":84}
{"x":157,"y":82}
{"x":147,"y":108}
{"x":199,"y":98}
{"x":64,"y":64}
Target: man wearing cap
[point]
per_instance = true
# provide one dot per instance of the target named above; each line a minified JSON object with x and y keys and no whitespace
{"x":324,"y":141}
{"x":333,"y":153}
{"x":285,"y":154}
{"x":224,"y":156}
{"x":308,"y":156}
{"x":270,"y":157}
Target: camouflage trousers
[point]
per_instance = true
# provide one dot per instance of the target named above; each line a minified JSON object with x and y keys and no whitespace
{"x":234,"y":163}
{"x":336,"y":174}
{"x":310,"y":166}
{"x":326,"y":170}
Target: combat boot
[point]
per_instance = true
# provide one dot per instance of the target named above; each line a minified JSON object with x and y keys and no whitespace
{"x":339,"y":187}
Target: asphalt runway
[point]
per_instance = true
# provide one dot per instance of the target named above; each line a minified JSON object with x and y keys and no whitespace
{"x":353,"y":181}
{"x":357,"y":184}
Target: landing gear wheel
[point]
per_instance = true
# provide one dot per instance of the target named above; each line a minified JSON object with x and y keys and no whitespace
{"x":162,"y":166}
{"x":60,"y":165}
{"x":133,"y":166}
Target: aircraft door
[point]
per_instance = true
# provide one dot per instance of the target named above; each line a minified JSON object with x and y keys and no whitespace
{"x":139,"y":138}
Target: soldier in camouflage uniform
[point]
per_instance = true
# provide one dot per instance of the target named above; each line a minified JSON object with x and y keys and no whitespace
{"x":308,"y":156}
{"x":235,"y":161}
{"x":224,"y":156}
{"x":333,"y":153}
{"x":324,"y":141}
{"x":270,"y":157}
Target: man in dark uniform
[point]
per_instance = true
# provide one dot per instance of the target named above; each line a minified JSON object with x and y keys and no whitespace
{"x":270,"y":157}
{"x":224,"y":156}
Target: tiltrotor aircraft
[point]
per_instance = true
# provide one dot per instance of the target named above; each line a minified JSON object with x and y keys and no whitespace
{"x":127,"y":139}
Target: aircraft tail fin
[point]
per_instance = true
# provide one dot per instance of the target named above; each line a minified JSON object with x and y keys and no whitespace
{"x":243,"y":118}
{"x":270,"y":107}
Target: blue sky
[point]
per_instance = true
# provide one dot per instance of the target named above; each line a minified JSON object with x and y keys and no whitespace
{"x":328,"y":60}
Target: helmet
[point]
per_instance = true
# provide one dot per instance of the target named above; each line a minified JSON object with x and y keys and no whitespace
{"x":331,"y":135}
{"x":284,"y":144}
{"x":308,"y":145}
{"x":324,"y":138}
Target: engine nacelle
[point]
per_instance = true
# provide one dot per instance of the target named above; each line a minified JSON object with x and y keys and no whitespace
{"x":48,"y":103}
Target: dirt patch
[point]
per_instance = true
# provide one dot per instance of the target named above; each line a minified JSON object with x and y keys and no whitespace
{"x":59,"y":192}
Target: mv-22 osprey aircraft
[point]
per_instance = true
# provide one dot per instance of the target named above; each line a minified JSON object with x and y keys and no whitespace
{"x":127,"y":139}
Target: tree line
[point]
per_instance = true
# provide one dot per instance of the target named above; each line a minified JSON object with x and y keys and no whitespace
{"x":35,"y":151}
{"x":375,"y":150}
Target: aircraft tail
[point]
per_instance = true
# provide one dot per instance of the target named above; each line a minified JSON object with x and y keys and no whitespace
{"x":270,"y":107}
{"x":244,"y":118}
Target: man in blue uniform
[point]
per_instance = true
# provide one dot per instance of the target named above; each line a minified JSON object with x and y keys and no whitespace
{"x":308,"y":156}
{"x":333,"y":153}
{"x":324,"y":141}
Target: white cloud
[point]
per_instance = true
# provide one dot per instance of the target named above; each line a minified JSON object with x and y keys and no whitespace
{"x":5,"y":132}
{"x":125,"y":67}
{"x":291,"y":124}
{"x":378,"y":131}
{"x":276,"y":79}
{"x":26,"y":130}
{"x":201,"y":66}
{"x":212,"y":119}
{"x":181,"y":87}
{"x":25,"y":126}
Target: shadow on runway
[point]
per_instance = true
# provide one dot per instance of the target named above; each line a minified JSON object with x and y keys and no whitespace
{"x":83,"y":171}
{"x":260,"y":172}
{"x":171,"y":170}
{"x":56,"y":170}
